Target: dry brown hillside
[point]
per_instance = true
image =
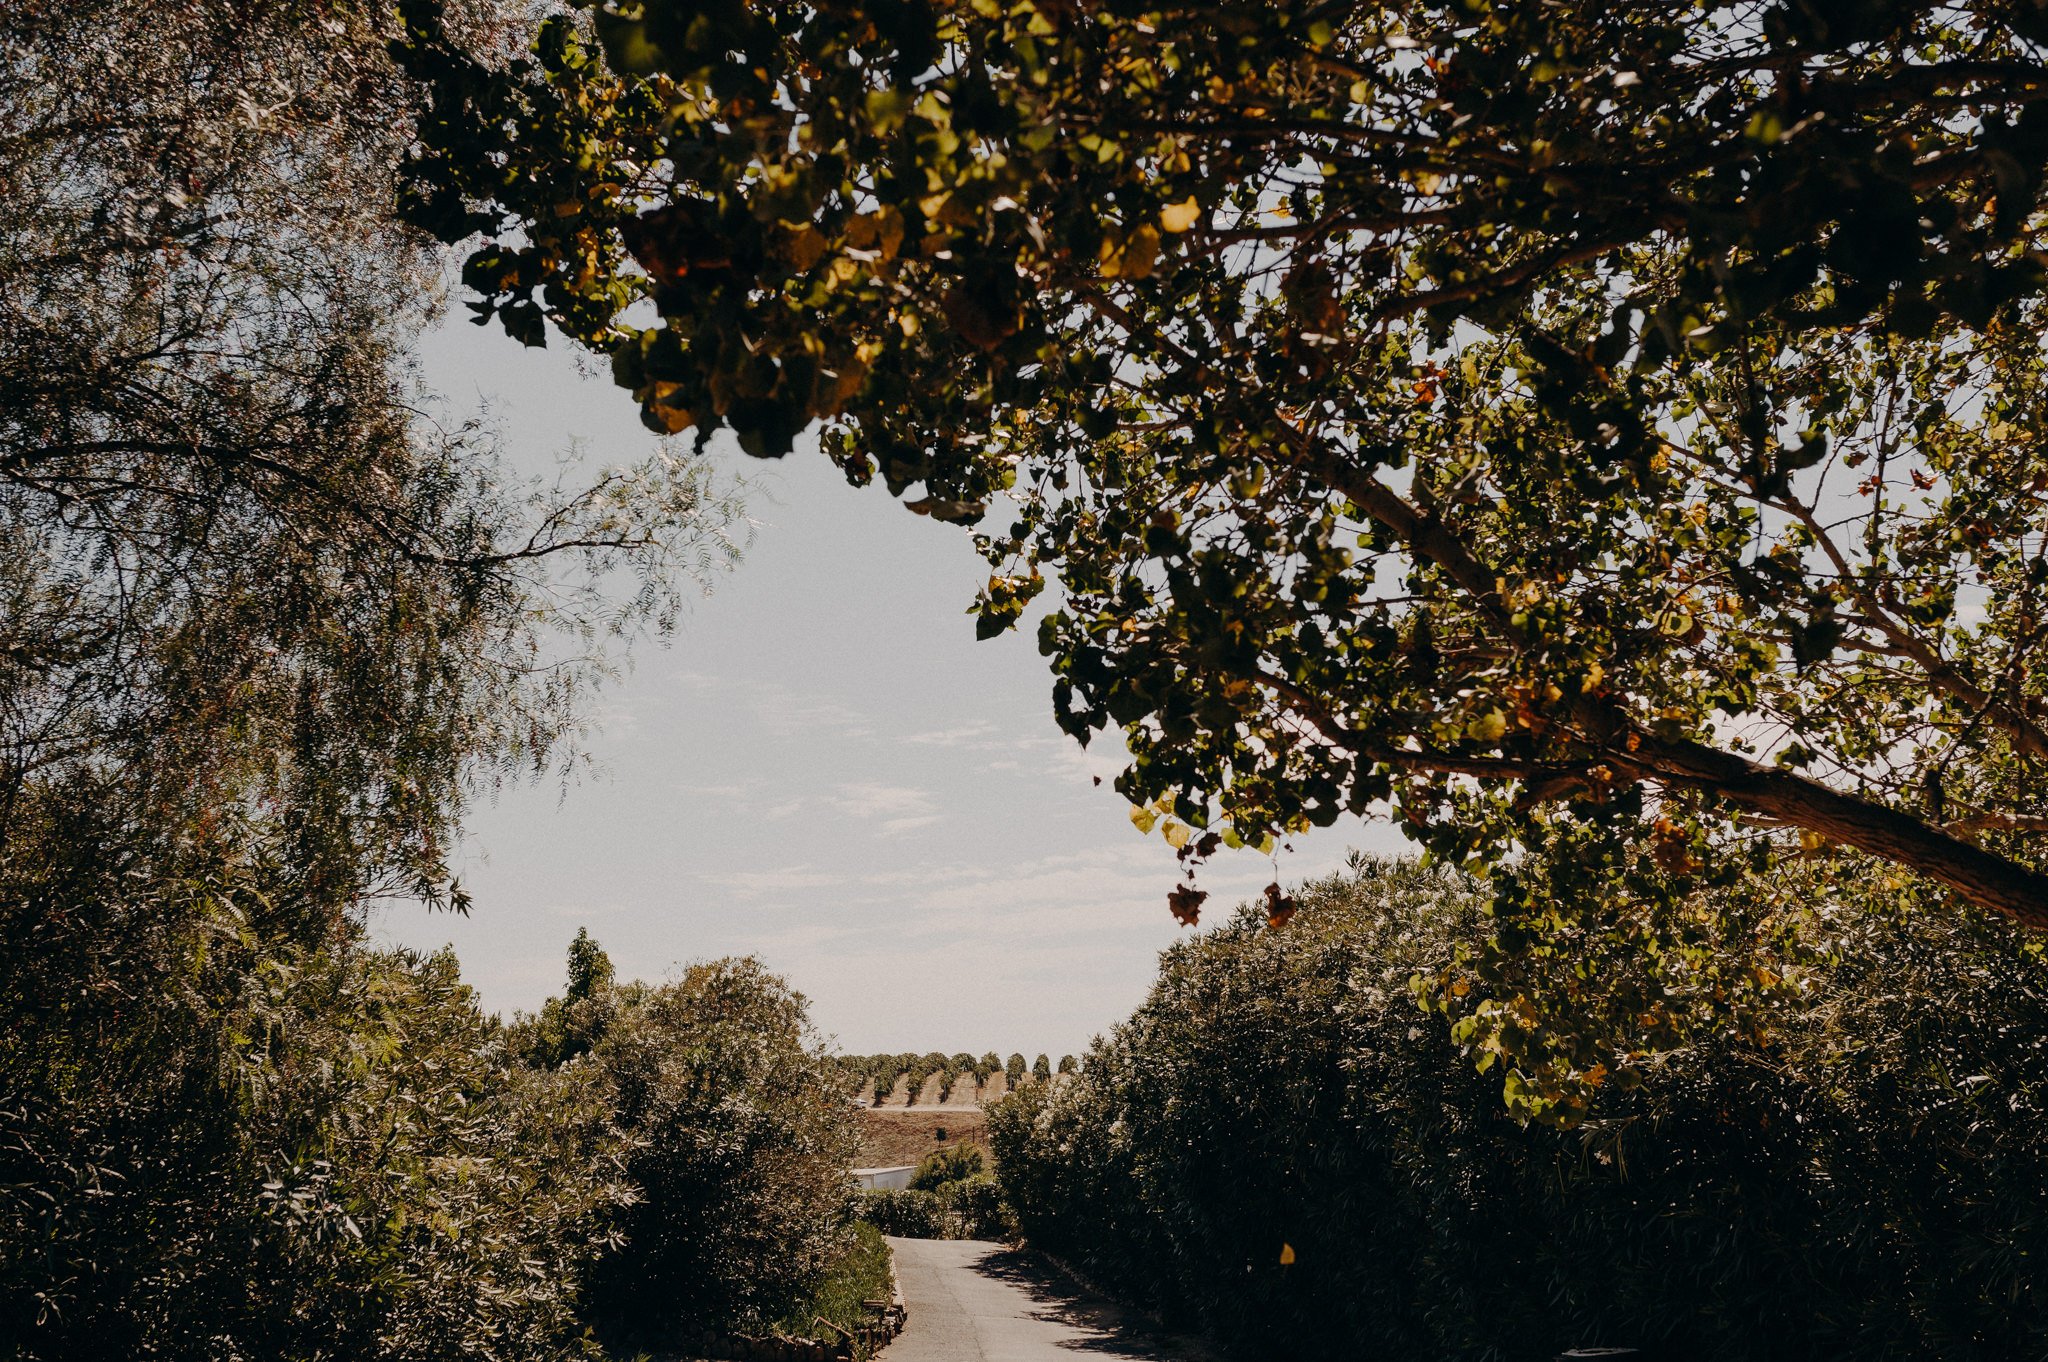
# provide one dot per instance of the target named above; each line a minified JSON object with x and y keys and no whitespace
{"x":891,"y":1138}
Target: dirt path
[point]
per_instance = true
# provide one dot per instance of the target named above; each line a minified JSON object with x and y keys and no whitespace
{"x":978,"y":1302}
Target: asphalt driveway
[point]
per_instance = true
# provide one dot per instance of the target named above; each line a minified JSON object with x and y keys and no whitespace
{"x":972,"y":1301}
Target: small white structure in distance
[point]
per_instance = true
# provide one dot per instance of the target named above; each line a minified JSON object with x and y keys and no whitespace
{"x":885,"y":1179}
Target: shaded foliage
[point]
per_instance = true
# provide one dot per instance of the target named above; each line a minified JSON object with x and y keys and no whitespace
{"x":863,"y":1273}
{"x":220,"y":1139}
{"x":905,"y":1213}
{"x":738,"y":1144}
{"x":1279,"y":1147}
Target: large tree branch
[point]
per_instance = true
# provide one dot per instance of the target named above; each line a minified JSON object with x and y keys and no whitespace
{"x":1614,"y":737}
{"x":1984,"y":878}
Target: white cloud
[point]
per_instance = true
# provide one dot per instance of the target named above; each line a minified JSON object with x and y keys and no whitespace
{"x":977,"y":734}
{"x":749,"y":884}
{"x":901,"y":825}
{"x":866,"y":799}
{"x":785,"y":715}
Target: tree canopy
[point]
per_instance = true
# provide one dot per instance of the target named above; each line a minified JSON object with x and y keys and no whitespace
{"x":246,"y":571}
{"x":266,"y":626}
{"x":1607,"y":436}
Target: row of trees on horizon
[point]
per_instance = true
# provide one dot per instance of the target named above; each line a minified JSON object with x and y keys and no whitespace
{"x":877,"y":1075}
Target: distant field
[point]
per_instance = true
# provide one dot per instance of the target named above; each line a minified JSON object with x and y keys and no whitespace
{"x":893,"y":1137}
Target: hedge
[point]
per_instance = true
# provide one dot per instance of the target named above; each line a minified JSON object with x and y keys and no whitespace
{"x":1279,"y":1148}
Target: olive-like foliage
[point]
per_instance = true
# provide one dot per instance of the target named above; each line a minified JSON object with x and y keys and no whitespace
{"x":1276,"y":1148}
{"x":1607,"y":438}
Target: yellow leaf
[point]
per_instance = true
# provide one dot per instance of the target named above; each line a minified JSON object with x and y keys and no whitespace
{"x":1487,"y":727}
{"x":1134,"y":257}
{"x":1286,"y":1255}
{"x":1143,"y":819}
{"x":890,"y":233}
{"x":1141,"y":252}
{"x":1176,"y":834}
{"x":1178,"y":217}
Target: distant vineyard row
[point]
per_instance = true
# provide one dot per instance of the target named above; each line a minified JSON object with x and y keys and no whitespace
{"x":883,"y":1071}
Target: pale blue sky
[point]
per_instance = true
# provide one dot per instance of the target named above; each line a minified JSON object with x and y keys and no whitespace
{"x":825,"y":769}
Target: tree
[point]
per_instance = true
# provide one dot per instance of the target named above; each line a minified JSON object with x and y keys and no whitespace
{"x":1013,"y":1071}
{"x":266,"y":626}
{"x":244,"y":564}
{"x":1041,"y":1068}
{"x":590,"y":969}
{"x":740,"y":1144}
{"x":1828,"y":1172}
{"x":570,"y":1026}
{"x":1602,"y":430}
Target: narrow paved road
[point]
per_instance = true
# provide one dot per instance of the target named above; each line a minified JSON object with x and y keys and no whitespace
{"x":978,"y":1302}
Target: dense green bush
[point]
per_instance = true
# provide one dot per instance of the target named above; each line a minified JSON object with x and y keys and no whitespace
{"x":225,"y":1136}
{"x":951,"y":1164}
{"x":740,"y":1139}
{"x":951,"y":1196}
{"x":972,"y":1207}
{"x":976,"y":1208}
{"x":1279,"y":1147}
{"x":222,"y":1138}
{"x":908,"y":1214}
{"x":863,"y":1272}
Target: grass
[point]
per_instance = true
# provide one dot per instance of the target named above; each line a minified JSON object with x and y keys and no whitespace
{"x":862,"y":1274}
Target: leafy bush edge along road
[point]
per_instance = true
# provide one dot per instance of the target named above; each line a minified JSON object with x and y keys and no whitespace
{"x":1278,"y":1147}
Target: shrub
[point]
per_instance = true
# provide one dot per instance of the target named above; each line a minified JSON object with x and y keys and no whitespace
{"x":966,"y":1208}
{"x":976,"y":1209}
{"x":906,"y":1214}
{"x":740,"y":1144}
{"x":951,"y":1164}
{"x":1279,"y":1147}
{"x":281,"y":1150}
{"x":861,"y":1274}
